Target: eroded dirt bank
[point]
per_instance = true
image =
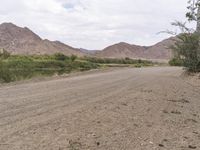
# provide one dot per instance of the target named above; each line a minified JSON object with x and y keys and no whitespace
{"x":127,"y":109}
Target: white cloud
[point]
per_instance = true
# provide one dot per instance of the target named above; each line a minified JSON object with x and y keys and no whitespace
{"x":95,"y":24}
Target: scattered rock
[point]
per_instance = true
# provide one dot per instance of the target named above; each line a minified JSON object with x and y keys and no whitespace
{"x":185,"y":101}
{"x":176,"y":112}
{"x":165,"y":140}
{"x":192,"y":147}
{"x":161,"y":145}
{"x":195,"y":132}
{"x":195,"y":115}
{"x":151,"y":142}
{"x":124,"y":104}
{"x":73,"y":145}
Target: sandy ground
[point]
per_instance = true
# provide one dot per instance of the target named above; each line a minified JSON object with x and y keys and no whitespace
{"x":123,"y":109}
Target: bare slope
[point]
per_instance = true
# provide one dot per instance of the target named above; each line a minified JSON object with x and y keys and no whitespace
{"x":121,"y":50}
{"x":19,"y":40}
{"x":160,"y":50}
{"x":126,"y":109}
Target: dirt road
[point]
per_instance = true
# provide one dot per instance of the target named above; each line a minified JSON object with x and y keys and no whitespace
{"x":124,"y":109}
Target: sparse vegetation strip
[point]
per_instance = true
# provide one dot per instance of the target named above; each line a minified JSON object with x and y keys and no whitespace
{"x":18,"y":67}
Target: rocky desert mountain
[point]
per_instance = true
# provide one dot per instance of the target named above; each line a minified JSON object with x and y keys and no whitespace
{"x":17,"y":40}
{"x":122,"y":50}
{"x":89,"y":52}
{"x":160,"y":50}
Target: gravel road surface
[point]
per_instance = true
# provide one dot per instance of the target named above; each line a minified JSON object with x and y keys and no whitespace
{"x":123,"y":109}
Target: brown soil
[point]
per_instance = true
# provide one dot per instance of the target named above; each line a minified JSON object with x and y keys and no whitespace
{"x":123,"y":109}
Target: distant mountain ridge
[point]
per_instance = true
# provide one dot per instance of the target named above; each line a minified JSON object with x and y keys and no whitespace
{"x":17,"y":40}
{"x":89,"y":52}
{"x":160,"y":50}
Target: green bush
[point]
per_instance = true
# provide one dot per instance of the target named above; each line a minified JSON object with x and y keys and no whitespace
{"x":138,"y":65}
{"x":176,"y":62}
{"x":73,"y":58}
{"x":4,"y":54}
{"x":117,"y":61}
{"x":60,"y":56}
{"x":17,"y":67}
{"x":187,"y":47}
{"x":5,"y":74}
{"x":24,"y":67}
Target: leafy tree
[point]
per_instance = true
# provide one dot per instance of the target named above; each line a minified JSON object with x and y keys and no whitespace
{"x":187,"y":45}
{"x":194,"y":13}
{"x":187,"y":49}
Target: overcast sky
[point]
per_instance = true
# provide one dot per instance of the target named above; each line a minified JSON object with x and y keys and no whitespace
{"x":95,"y":24}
